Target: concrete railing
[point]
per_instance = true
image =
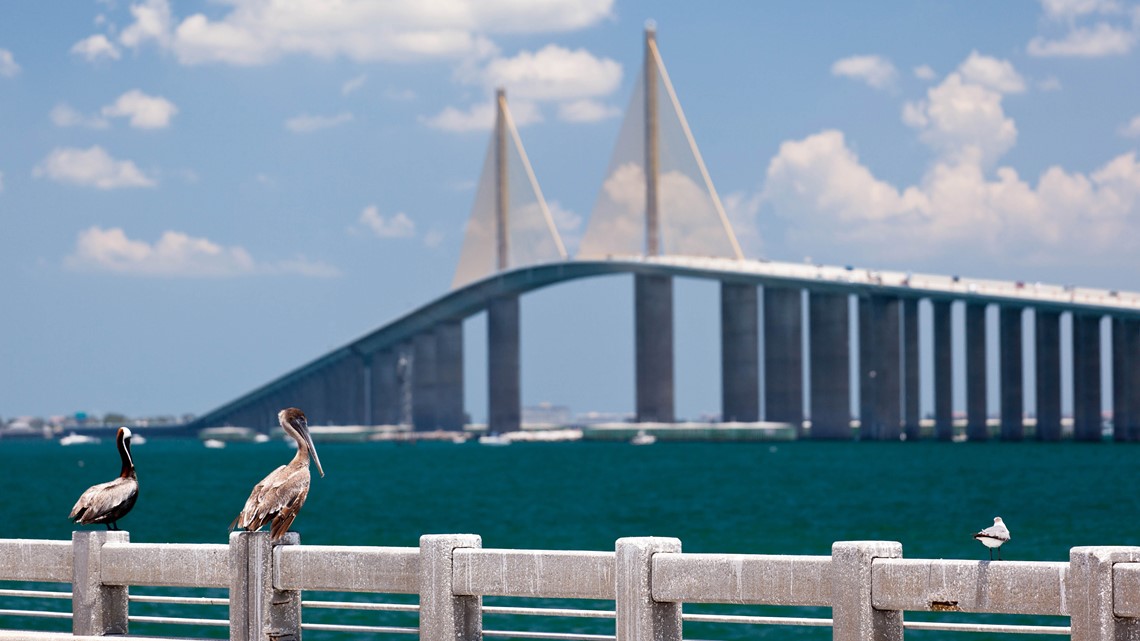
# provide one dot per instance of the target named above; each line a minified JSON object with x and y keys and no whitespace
{"x":867,"y":585}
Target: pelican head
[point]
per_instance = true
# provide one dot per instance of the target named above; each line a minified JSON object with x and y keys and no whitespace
{"x":123,"y":441}
{"x":295,"y":424}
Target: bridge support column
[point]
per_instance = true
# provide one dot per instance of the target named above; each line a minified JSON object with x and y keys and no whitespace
{"x":385,"y":388}
{"x":976,"y":428}
{"x":1012,"y":395}
{"x":449,"y":374}
{"x":1048,"y":348}
{"x":740,"y":352}
{"x":653,"y":326}
{"x":504,"y":402}
{"x":830,"y":366}
{"x":880,"y":393}
{"x":911,"y":376}
{"x":1086,"y":377}
{"x":784,"y":356}
{"x":1125,"y":379}
{"x":943,"y":371}
{"x":425,"y":394}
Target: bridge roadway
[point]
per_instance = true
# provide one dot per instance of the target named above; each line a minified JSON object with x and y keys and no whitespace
{"x":412,"y":367}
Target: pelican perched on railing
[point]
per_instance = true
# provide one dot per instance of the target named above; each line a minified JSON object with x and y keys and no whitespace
{"x":279,"y":496}
{"x":108,"y":502}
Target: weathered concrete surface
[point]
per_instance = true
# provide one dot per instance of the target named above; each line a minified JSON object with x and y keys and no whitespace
{"x":34,"y":560}
{"x":639,"y":616}
{"x":534,"y":573}
{"x":96,"y":609}
{"x":258,"y":611}
{"x":1090,"y":594}
{"x":443,"y":615}
{"x":742,"y":578}
{"x":854,"y":617}
{"x":1126,"y":589}
{"x":1007,"y":587}
{"x":348,"y":569}
{"x":166,"y":564}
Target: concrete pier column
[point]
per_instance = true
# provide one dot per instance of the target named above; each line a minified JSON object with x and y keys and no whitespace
{"x":830,"y":366}
{"x":653,"y":329}
{"x":425,"y":395}
{"x":449,"y":374}
{"x":783,"y":356}
{"x":445,"y":616}
{"x":976,"y":428}
{"x":1012,"y":394}
{"x":96,"y":609}
{"x":854,"y":617}
{"x":911,"y":375}
{"x":505,"y":397}
{"x":880,"y":392}
{"x":639,"y":617}
{"x":1086,"y":377}
{"x":1048,"y":348}
{"x":943,"y":370}
{"x":257,"y":609}
{"x":385,"y":388}
{"x":1125,"y":379}
{"x":1090,"y":594}
{"x":739,"y":352}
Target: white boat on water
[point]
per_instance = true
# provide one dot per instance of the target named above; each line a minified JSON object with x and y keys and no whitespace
{"x":214,"y":443}
{"x":77,"y":439}
{"x":643,"y":438}
{"x":494,"y":439}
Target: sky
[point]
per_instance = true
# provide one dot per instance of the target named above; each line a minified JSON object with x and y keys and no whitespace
{"x":197,"y":197}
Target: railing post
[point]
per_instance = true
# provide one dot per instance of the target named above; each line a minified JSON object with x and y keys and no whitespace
{"x":443,"y":615}
{"x":96,"y":609}
{"x":1090,"y":594}
{"x":639,"y":617}
{"x":258,"y":611}
{"x":854,"y":618}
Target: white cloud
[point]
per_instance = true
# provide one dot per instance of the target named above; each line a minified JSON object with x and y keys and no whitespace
{"x":1069,"y":9}
{"x":1132,"y":129}
{"x":398,"y":226}
{"x":144,"y":112}
{"x":924,"y":72}
{"x":305,"y":123}
{"x":553,"y":73}
{"x":586,"y":110}
{"x":92,"y":167}
{"x":8,"y":66}
{"x":254,"y":32}
{"x":481,"y":117}
{"x":176,"y":254}
{"x":353,"y":84}
{"x":962,"y":121}
{"x":433,"y":238}
{"x":876,"y":71}
{"x":96,"y":47}
{"x":1085,"y":42}
{"x":64,"y":115}
{"x":992,"y":73}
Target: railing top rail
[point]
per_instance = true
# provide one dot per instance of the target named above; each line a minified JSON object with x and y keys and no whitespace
{"x":166,"y":564}
{"x":35,"y":560}
{"x":348,"y":568}
{"x":742,"y":578}
{"x":534,"y":573}
{"x":1006,"y":587}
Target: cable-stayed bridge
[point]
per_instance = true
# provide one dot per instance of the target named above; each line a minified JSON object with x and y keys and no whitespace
{"x":658,"y":216}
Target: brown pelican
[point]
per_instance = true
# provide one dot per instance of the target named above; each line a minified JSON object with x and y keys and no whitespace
{"x":993,"y":536}
{"x":108,"y":502}
{"x":279,"y":496}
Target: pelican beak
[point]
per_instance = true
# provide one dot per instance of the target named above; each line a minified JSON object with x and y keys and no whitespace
{"x":313,"y":450}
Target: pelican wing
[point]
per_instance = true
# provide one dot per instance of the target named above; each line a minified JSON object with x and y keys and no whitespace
{"x":105,"y":502}
{"x":278,"y":498}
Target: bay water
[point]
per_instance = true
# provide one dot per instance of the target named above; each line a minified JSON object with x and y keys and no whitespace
{"x":763,"y":498}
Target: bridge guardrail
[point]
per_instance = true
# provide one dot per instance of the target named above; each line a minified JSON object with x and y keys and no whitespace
{"x":867,"y":584}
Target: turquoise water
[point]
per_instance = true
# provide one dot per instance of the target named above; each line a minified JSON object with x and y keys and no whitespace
{"x":788,"y":498}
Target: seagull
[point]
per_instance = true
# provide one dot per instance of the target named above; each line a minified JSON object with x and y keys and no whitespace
{"x":993,"y":536}
{"x":108,"y":502}
{"x":279,"y":496}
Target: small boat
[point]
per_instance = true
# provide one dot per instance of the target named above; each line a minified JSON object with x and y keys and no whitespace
{"x":214,"y":443}
{"x":494,"y":439}
{"x":78,"y":439}
{"x":643,"y":438}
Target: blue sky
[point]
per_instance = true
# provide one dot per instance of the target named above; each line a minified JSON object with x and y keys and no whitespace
{"x":196,"y":197}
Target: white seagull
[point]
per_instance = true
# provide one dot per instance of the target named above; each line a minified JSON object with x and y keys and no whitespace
{"x":993,"y":536}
